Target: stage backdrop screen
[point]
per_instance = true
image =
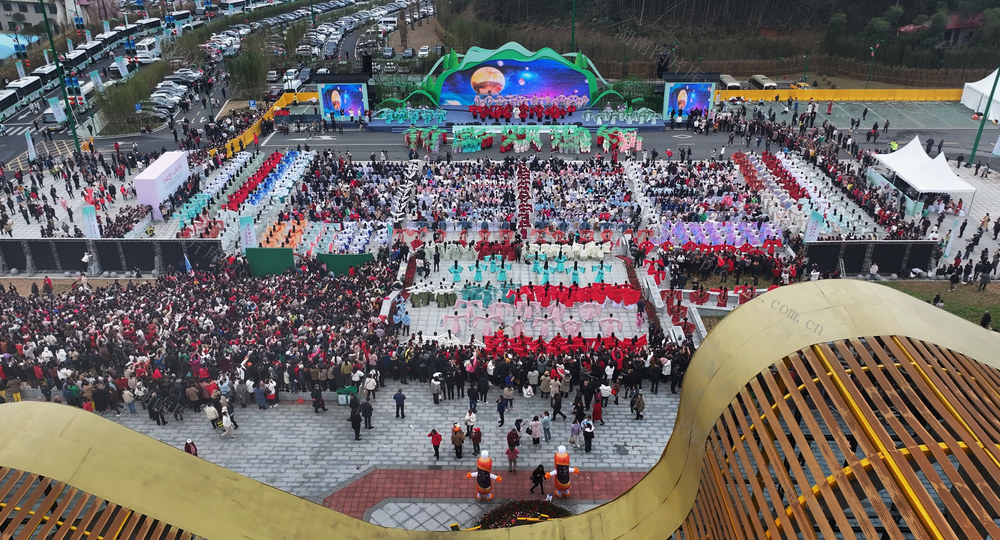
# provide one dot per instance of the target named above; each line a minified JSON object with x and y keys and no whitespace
{"x":343,"y":100}
{"x":684,"y":96}
{"x":541,"y":77}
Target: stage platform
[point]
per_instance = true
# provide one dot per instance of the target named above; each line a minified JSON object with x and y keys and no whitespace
{"x":464,"y":118}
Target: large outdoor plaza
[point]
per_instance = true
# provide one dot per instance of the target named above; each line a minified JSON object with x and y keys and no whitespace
{"x":507,"y":292}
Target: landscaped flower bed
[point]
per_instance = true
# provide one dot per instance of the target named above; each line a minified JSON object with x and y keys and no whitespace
{"x":506,"y":514}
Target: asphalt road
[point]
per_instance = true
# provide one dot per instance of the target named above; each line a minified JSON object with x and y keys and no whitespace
{"x":361,"y":145}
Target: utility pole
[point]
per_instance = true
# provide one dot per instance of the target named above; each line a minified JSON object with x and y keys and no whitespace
{"x":62,"y":74}
{"x":871,"y":63}
{"x":982,"y":123}
{"x":572,"y":32}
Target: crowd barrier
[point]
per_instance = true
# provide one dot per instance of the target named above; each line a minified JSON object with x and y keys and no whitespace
{"x":891,"y":256}
{"x":846,"y":94}
{"x":60,"y":255}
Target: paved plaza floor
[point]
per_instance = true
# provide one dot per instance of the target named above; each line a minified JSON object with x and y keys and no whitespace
{"x":315,"y":456}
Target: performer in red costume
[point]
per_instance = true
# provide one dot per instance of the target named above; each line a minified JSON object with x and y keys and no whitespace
{"x":561,"y":472}
{"x":484,"y":477}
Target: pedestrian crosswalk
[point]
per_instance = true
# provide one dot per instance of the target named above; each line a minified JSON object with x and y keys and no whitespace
{"x":20,"y":130}
{"x":58,"y":147}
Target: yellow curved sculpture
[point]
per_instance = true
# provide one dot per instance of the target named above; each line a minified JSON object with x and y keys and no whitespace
{"x":152,"y":478}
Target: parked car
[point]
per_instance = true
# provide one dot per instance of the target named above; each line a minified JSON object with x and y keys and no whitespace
{"x":408,"y":53}
{"x":424,"y":52}
{"x":305,"y":75}
{"x":388,"y":52}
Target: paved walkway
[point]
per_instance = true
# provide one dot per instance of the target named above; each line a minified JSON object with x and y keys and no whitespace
{"x":315,"y":455}
{"x":362,"y":497}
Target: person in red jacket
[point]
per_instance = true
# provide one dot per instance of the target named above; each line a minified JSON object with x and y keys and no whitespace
{"x":436,"y":443}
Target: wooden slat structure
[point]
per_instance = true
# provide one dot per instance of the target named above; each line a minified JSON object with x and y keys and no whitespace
{"x":872,"y":437}
{"x":830,"y":409}
{"x":37,"y":507}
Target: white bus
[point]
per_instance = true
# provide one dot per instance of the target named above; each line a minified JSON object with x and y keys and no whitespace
{"x":762,"y":82}
{"x":49,"y":76}
{"x":110,"y":40}
{"x":729,"y":82}
{"x":28,"y":89}
{"x":192,"y":25}
{"x":181,"y":17}
{"x":148,"y":50}
{"x":150,"y":27}
{"x":94,"y":50}
{"x":9,"y":104}
{"x":232,"y":6}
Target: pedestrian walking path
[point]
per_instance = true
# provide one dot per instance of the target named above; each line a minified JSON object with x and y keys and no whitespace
{"x":432,"y":500}
{"x":315,"y":456}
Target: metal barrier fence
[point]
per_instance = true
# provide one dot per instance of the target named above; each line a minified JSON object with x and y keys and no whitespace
{"x":847,"y":94}
{"x":66,"y":255}
{"x":891,"y":256}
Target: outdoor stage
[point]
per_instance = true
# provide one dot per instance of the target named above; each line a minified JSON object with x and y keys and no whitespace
{"x":511,"y":86}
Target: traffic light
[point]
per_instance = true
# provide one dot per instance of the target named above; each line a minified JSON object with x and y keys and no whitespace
{"x":78,"y":23}
{"x":27,"y":63}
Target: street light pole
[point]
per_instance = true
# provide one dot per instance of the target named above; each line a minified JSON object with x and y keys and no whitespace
{"x":572,"y":32}
{"x":982,"y":123}
{"x":62,"y":74}
{"x":805,"y":74}
{"x":871,"y":63}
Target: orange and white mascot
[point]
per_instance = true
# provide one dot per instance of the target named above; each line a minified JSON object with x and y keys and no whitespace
{"x":561,"y":472}
{"x":484,"y":477}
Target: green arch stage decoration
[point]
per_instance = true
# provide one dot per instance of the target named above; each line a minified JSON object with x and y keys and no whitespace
{"x":508,"y":71}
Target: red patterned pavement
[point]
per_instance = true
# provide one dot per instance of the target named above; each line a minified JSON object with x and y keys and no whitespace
{"x":369,"y":490}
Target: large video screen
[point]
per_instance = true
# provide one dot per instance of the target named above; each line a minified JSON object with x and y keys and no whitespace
{"x":542,"y":77}
{"x":343,"y":100}
{"x":682,"y":98}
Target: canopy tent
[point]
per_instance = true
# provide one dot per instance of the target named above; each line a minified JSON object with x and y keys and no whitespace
{"x":925,"y":175}
{"x":975,"y":95}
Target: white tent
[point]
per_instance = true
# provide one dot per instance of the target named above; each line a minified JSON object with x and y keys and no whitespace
{"x":975,"y":95}
{"x":923,"y":174}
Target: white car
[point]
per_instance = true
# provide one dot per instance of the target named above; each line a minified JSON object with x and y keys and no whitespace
{"x":424,"y":52}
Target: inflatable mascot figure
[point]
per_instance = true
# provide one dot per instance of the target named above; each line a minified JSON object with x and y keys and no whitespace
{"x":561,"y":473}
{"x":484,"y":477}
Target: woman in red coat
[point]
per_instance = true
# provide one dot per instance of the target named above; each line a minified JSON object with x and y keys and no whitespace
{"x":598,"y":410}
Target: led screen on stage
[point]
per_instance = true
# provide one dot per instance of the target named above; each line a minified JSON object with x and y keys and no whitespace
{"x":541,"y":77}
{"x":682,"y":98}
{"x":343,"y":100}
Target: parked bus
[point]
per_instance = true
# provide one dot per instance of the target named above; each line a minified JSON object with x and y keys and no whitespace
{"x":94,"y":50}
{"x":192,"y":25}
{"x":730,"y":83}
{"x":110,"y":40}
{"x":9,"y":104}
{"x":181,"y":17}
{"x":761,"y":82}
{"x":232,"y":6}
{"x":49,"y":76}
{"x":74,"y":61}
{"x":150,"y":27}
{"x":148,"y":50}
{"x":28,"y":89}
{"x":127,"y":31}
